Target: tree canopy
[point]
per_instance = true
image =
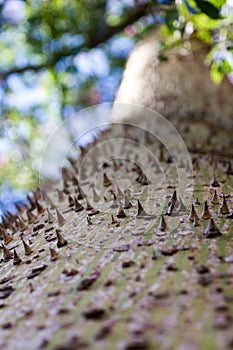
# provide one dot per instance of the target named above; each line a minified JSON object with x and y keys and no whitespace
{"x":59,"y":56}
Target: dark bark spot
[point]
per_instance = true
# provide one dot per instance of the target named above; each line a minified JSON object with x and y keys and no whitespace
{"x":128,"y":263}
{"x":37,"y":271}
{"x":7,"y":325}
{"x":63,"y":311}
{"x":28,"y":262}
{"x":171,"y":267}
{"x":160,"y":296}
{"x":49,"y":229}
{"x":137,"y":343}
{"x":28,"y":313}
{"x":38,"y":227}
{"x":69,"y":273}
{"x":51,"y":237}
{"x":205,"y":281}
{"x":102,"y":333}
{"x":93,"y":212}
{"x":6,"y":279}
{"x":6,"y":291}
{"x":43,"y":344}
{"x":54,"y":293}
{"x":94,"y":313}
{"x":108,"y":283}
{"x":73,"y":344}
{"x":138,"y":278}
{"x":145,"y":243}
{"x":202,"y":269}
{"x":190,"y":257}
{"x":183,"y":292}
{"x":168,"y":251}
{"x":87,"y":282}
{"x":221,"y":308}
{"x":154,"y":256}
{"x":122,"y":248}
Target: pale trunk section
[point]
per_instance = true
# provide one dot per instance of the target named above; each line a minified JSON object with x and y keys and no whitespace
{"x":177,"y":88}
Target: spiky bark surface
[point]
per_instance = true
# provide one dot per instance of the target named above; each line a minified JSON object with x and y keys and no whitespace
{"x":98,"y":274}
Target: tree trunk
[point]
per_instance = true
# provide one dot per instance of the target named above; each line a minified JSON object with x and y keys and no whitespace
{"x":179,"y":88}
{"x":145,"y":260}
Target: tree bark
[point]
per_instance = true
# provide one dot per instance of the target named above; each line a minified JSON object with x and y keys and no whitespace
{"x":99,"y":270}
{"x":179,"y":88}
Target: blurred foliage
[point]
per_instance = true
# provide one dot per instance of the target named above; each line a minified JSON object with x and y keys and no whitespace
{"x":58,"y":56}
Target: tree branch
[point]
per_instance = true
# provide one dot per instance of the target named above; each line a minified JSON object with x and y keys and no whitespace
{"x":97,"y":38}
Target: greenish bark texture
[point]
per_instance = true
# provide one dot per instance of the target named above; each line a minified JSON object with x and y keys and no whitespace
{"x":132,"y":265}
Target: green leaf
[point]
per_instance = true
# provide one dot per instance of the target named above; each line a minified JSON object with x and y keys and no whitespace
{"x":203,"y":22}
{"x":225,"y":67}
{"x":205,"y":36}
{"x":218,"y":3}
{"x":209,"y":9}
{"x":215,"y":75}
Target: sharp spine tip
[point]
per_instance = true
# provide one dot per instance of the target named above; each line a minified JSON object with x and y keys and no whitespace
{"x":140,"y":211}
{"x":196,"y":221}
{"x":78,"y":206}
{"x":39,"y":207}
{"x":119,"y":193}
{"x":60,"y":218}
{"x":173,"y":199}
{"x":205,"y":212}
{"x":19,"y":208}
{"x":6,"y":253}
{"x":61,"y":241}
{"x":127,"y":203}
{"x":71,"y":201}
{"x":27,"y":248}
{"x":162,"y":224}
{"x":53,"y":254}
{"x":214,"y":199}
{"x":212,"y":230}
{"x":17,"y":259}
{"x":61,"y":196}
{"x":120,"y":211}
{"x":21,"y":224}
{"x":6,"y":237}
{"x":192,"y":214}
{"x":107,"y":181}
{"x":50,"y":216}
{"x":31,"y":217}
{"x":223,"y":209}
{"x":113,"y":221}
{"x":96,"y":196}
{"x":214,"y":182}
{"x":88,"y":205}
{"x":228,"y":170}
